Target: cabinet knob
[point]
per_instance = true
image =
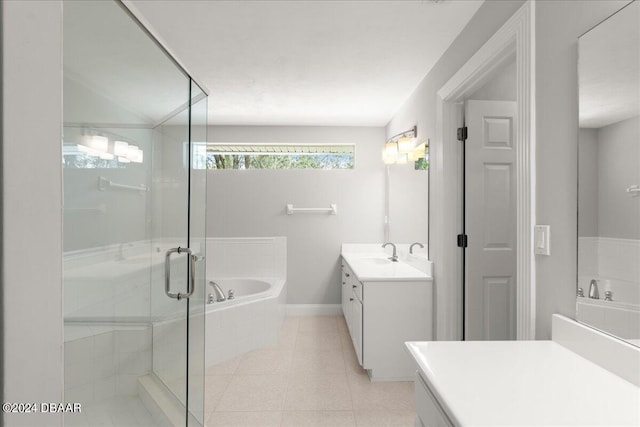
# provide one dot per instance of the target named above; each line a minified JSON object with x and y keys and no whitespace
{"x":344,"y":283}
{"x":347,"y":274}
{"x":353,"y":286}
{"x":350,"y":299}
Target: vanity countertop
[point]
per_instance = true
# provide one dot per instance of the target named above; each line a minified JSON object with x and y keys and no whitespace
{"x":370,"y":263}
{"x":514,"y":383}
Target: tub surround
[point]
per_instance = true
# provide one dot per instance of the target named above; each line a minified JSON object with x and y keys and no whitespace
{"x":512,"y":383}
{"x":386,"y":303}
{"x":247,"y":322}
{"x":613,"y":263}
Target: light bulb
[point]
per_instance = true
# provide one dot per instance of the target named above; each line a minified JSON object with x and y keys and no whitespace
{"x":405,"y":145}
{"x":100,"y":143}
{"x":389,"y":153}
{"x":120,"y":148}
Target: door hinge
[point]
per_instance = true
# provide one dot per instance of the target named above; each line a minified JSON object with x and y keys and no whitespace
{"x":462,"y":240}
{"x":462,"y":133}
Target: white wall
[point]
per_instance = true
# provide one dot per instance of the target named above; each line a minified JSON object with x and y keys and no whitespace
{"x":558,"y":26}
{"x":588,"y":182}
{"x":32,"y":194}
{"x":251,"y":203}
{"x":618,"y":168}
{"x":420,"y":107}
{"x":502,"y":87}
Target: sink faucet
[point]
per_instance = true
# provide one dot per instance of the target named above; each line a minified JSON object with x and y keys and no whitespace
{"x":393,"y":257}
{"x":217,"y":291}
{"x":414,"y":244}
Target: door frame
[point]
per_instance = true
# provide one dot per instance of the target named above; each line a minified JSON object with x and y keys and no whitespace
{"x":515,"y":38}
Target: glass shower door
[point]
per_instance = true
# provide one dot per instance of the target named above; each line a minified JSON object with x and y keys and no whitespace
{"x":178,"y":236}
{"x":134,"y":252}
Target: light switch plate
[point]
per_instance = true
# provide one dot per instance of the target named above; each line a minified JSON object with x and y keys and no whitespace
{"x":542,"y":235}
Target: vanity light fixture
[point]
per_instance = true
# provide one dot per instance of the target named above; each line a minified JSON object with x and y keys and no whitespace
{"x":120,"y":148}
{"x":109,"y":148}
{"x":99,"y":143}
{"x":401,"y":148}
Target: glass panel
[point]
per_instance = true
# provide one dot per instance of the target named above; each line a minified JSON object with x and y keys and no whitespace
{"x":197,"y":242}
{"x":126,"y":201}
{"x":169,"y":217}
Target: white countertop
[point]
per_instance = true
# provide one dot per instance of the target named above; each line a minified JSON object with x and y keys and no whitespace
{"x":370,"y":263}
{"x":536,"y":383}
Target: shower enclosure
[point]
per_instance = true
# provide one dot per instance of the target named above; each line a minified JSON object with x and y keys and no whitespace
{"x":134,"y":224}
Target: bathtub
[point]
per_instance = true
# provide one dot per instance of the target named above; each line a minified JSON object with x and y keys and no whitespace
{"x":244,"y":289}
{"x":250,"y":321}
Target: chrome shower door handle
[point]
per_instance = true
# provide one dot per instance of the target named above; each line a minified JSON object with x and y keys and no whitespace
{"x":167,"y":273}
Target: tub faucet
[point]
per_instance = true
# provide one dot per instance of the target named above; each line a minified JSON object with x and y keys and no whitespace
{"x":593,"y":289}
{"x":217,"y":291}
{"x":414,"y":244}
{"x":393,"y":257}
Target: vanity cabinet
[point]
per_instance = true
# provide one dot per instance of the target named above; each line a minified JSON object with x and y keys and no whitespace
{"x":428,"y":410}
{"x":381,"y":316}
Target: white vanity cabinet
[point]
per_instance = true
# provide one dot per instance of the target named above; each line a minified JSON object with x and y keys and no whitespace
{"x":428,"y":410}
{"x":382,"y":315}
{"x":347,"y":293}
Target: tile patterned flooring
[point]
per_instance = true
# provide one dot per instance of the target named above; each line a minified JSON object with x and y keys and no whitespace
{"x":310,"y":378}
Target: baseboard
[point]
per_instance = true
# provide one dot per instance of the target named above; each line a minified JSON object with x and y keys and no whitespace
{"x":314,"y":309}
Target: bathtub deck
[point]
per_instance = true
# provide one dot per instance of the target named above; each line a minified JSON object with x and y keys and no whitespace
{"x":311,"y":377}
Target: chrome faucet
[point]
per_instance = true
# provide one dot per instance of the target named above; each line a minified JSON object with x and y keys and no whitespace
{"x":393,"y":257}
{"x":217,"y":290}
{"x":608,"y":296}
{"x":414,"y":244}
{"x":593,"y":289}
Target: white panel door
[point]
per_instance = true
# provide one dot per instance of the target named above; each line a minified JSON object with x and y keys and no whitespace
{"x":490,"y":219}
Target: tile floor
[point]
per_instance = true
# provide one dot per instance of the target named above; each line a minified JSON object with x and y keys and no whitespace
{"x":310,"y":378}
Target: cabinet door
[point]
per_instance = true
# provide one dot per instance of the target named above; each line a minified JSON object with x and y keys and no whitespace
{"x":356,"y":327}
{"x":346,"y":303}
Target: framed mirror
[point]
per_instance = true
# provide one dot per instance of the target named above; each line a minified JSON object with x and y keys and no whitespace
{"x":608,"y":288}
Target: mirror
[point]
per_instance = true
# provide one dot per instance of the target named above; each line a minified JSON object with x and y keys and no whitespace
{"x":609,"y":175}
{"x":407,"y":203}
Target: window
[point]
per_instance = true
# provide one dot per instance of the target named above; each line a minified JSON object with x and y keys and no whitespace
{"x":278,"y":156}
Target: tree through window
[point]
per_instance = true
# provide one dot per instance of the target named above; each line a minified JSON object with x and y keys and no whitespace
{"x":280,"y":156}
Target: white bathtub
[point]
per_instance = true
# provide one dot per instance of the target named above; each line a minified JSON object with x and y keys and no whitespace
{"x":250,"y":321}
{"x":244,"y":289}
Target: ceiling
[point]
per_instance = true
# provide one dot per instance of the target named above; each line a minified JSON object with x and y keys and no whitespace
{"x":609,"y":70}
{"x":307,"y":62}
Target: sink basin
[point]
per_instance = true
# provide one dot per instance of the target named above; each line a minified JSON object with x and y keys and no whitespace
{"x":377,"y":261}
